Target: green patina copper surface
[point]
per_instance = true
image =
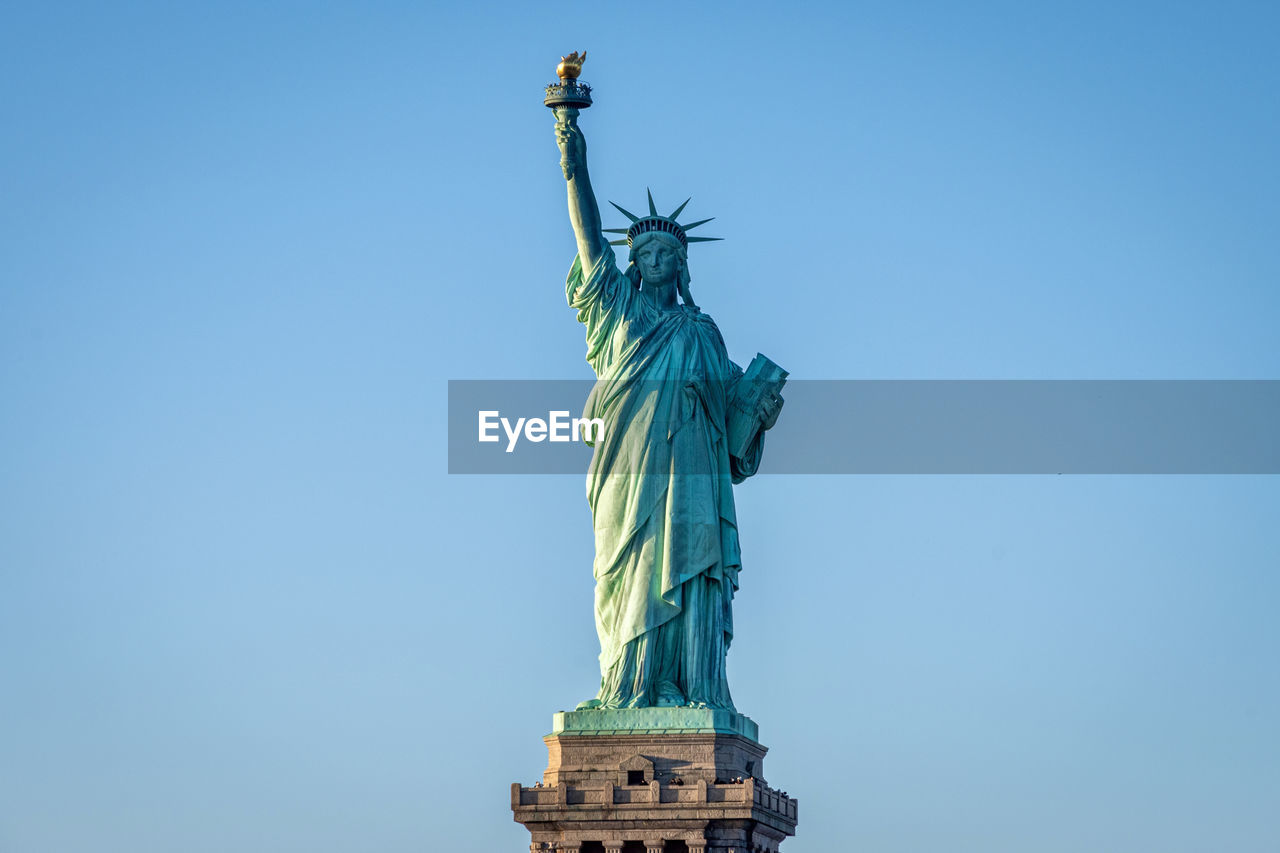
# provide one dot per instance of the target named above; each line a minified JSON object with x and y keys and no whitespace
{"x":660,"y":485}
{"x":653,"y":721}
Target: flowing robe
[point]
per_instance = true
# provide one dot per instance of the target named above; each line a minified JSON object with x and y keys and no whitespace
{"x":660,"y":490}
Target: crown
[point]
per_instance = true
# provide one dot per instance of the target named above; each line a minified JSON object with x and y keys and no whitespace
{"x":654,"y":222}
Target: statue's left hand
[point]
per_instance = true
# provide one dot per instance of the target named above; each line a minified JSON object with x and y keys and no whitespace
{"x":770,"y":407}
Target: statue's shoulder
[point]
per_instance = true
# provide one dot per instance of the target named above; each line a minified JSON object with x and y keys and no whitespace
{"x":706,"y":324}
{"x":700,"y":316}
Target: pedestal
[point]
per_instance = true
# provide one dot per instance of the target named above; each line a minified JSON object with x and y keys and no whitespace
{"x":654,"y":780}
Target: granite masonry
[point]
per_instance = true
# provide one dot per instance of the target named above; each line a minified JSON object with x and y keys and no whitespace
{"x":654,"y":780}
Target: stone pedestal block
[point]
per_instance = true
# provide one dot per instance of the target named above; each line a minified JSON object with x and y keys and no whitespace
{"x":654,"y":780}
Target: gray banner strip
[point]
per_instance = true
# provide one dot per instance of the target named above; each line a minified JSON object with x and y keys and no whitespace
{"x":922,"y":427}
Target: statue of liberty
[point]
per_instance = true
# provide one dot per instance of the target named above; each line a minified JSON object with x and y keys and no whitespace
{"x":682,"y":425}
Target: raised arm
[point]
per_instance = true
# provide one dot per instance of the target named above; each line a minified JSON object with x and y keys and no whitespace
{"x":583,"y":210}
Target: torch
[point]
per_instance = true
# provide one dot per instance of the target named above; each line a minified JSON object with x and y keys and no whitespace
{"x":568,"y":97}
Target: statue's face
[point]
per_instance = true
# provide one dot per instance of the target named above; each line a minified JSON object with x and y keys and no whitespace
{"x":658,"y":263}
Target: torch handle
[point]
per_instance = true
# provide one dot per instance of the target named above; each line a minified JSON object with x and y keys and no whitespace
{"x":566,"y":116}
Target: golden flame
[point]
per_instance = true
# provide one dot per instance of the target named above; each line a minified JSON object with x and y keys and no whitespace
{"x":570,"y":66}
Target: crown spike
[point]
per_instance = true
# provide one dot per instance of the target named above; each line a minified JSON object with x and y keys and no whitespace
{"x":615,"y":230}
{"x":653,"y":211}
{"x":625,"y":212}
{"x":693,"y":225}
{"x":676,"y":212}
{"x":702,"y":239}
{"x":617,"y":242}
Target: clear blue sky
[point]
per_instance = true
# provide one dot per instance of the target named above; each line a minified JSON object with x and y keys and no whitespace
{"x":243,"y":246}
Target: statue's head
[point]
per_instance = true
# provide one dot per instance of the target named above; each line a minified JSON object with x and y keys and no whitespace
{"x":658,"y":260}
{"x":659,"y":250}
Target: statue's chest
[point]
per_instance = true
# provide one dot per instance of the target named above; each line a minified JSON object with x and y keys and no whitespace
{"x":670,"y":342}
